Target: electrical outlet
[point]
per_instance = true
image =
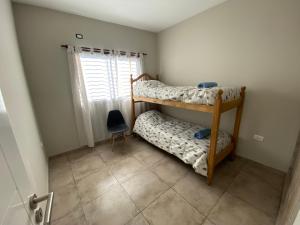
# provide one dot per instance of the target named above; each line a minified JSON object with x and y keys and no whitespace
{"x":259,"y":138}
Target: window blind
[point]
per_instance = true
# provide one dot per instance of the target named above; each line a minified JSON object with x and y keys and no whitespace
{"x":108,"y":77}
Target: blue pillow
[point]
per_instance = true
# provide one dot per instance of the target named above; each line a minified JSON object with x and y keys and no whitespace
{"x":207,"y":85}
{"x":201,"y":134}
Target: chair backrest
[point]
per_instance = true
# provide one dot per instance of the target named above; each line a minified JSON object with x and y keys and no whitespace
{"x":114,"y":118}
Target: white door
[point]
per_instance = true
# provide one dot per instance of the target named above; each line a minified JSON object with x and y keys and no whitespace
{"x":15,"y":185}
{"x":12,"y":208}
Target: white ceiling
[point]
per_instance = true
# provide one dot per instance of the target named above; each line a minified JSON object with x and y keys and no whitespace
{"x":152,"y":15}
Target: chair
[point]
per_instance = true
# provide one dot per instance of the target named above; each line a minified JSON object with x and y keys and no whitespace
{"x":116,"y":125}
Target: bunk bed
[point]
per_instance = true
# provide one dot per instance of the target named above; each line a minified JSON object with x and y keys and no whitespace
{"x":212,"y":101}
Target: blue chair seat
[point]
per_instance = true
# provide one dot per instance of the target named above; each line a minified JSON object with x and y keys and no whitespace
{"x":118,"y":128}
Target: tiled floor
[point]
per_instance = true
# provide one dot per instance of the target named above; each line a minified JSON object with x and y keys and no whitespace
{"x":138,"y":184}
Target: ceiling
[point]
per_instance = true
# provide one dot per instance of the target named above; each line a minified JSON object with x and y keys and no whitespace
{"x":151,"y":15}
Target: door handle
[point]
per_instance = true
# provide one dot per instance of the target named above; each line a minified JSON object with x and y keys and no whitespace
{"x":33,"y":203}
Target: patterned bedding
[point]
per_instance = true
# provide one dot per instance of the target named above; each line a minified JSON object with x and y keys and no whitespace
{"x":177,"y":137}
{"x":187,"y":94}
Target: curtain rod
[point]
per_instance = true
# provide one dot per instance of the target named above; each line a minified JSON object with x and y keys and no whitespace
{"x":105,"y":51}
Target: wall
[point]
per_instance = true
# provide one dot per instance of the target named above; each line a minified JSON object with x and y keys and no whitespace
{"x":41,"y":32}
{"x":243,"y":42}
{"x":18,"y":104}
{"x":297,"y":220}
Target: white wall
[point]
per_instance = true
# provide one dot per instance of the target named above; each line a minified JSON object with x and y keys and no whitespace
{"x":244,"y":42}
{"x":41,"y":32}
{"x":16,"y":97}
{"x":297,"y":221}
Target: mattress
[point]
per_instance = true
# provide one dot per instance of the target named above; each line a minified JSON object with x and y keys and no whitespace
{"x":187,"y":94}
{"x":177,"y":138}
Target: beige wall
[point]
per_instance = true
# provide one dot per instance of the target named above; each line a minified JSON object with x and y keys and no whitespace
{"x":244,"y":42}
{"x":40,"y":33}
{"x":18,"y":104}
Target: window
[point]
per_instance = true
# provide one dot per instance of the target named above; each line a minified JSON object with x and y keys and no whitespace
{"x":108,"y":77}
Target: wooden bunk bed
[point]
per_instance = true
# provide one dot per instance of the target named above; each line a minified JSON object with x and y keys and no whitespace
{"x":216,"y":110}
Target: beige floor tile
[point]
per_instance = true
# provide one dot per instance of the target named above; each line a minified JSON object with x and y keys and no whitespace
{"x":59,"y":163}
{"x":144,"y":187}
{"x":149,"y":154}
{"x":226,"y":171}
{"x":197,"y":192}
{"x":171,"y":209}
{"x":126,"y":168}
{"x":65,"y":201}
{"x":58,"y":160}
{"x":233,"y":211}
{"x":87,"y":165}
{"x":113,"y":208}
{"x":76,"y":217}
{"x":145,"y":173}
{"x":170,"y":170}
{"x":138,"y":220}
{"x":60,"y":178}
{"x":269,"y":175}
{"x":94,"y":185}
{"x":110,"y":156}
{"x":256,"y":192}
{"x":208,"y":222}
{"x":79,"y":154}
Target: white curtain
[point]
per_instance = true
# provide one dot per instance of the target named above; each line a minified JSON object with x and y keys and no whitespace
{"x":100,"y":83}
{"x":80,"y":101}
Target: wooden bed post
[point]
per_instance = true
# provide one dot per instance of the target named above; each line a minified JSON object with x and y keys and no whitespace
{"x":157,"y":106}
{"x":238,"y":116}
{"x":214,"y":137}
{"x":132,"y":104}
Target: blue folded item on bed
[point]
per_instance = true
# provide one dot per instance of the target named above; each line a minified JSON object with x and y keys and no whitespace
{"x":207,"y":85}
{"x":202,"y":133}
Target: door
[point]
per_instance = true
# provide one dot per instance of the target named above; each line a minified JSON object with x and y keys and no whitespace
{"x":15,"y":185}
{"x":12,"y":208}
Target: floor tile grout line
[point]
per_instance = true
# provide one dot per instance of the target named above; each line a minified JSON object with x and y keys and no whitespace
{"x":76,"y":186}
{"x":150,"y":203}
{"x":79,"y":204}
{"x":140,"y":213}
{"x":80,"y":201}
{"x":153,"y":199}
{"x":137,"y":210}
{"x":264,"y":181}
{"x":223,"y":193}
{"x":150,"y":169}
{"x":186,"y":201}
{"x":227,"y":191}
{"x":250,"y":204}
{"x":260,"y":178}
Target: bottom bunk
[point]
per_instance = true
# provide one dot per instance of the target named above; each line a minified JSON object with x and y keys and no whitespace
{"x":177,"y":138}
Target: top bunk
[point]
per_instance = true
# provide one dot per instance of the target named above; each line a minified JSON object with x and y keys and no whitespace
{"x":148,"y":89}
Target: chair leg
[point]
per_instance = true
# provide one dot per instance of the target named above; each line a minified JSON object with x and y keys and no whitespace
{"x":125,"y":138}
{"x":113,"y":141}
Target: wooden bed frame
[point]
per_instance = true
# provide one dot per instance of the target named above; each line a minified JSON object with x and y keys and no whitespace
{"x":216,"y":110}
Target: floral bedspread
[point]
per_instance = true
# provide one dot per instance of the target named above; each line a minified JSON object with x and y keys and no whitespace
{"x":187,"y":94}
{"x":177,"y":137}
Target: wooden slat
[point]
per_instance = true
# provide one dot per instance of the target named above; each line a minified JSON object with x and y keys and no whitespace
{"x":144,"y":76}
{"x":226,"y":106}
{"x":238,"y":118}
{"x":225,"y":152}
{"x":177,"y":104}
{"x":216,"y":116}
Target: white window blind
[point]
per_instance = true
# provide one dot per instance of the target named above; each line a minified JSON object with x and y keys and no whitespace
{"x":108,"y":77}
